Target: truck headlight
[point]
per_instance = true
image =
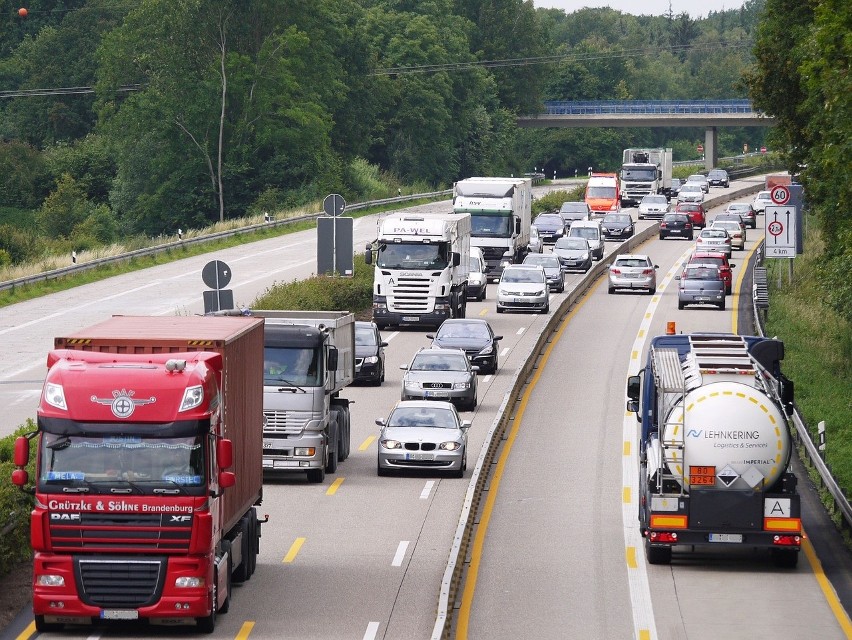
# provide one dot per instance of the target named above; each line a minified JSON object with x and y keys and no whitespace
{"x":50,"y":580}
{"x":192,"y":397}
{"x":380,"y":303}
{"x":189,"y":582}
{"x":391,"y":444}
{"x":307,"y":452}
{"x":54,"y":395}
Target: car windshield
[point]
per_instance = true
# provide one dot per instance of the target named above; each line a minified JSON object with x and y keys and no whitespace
{"x":690,"y":187}
{"x":439,"y":362}
{"x":589,"y":233}
{"x":632,"y":262}
{"x":618,"y":218}
{"x":574,"y":215}
{"x":544,"y":261}
{"x":764,"y":195}
{"x":571,"y":243}
{"x":696,"y":178}
{"x":463,"y":330}
{"x":365,"y":337}
{"x":717,"y":262}
{"x":735,"y":208}
{"x":412,"y":255}
{"x":485,"y":225}
{"x":727,"y":224}
{"x":422,"y":417}
{"x":550,"y":219}
{"x":675,"y":218}
{"x":717,"y":174}
{"x":523,"y":275}
{"x":654,"y":200}
{"x":701,"y":273}
{"x":474,"y":266}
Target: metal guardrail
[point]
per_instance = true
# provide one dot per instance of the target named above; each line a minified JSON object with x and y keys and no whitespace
{"x":803,"y":435}
{"x":161,"y":248}
{"x":649,"y":107}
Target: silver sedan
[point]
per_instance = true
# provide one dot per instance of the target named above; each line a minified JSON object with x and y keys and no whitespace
{"x":440,"y":374}
{"x":423,"y":435}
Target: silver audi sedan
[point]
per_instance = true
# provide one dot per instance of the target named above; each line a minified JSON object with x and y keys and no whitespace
{"x":440,"y":374}
{"x":422,"y":435}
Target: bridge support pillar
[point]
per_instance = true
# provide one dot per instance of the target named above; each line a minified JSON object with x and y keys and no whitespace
{"x":711,"y":144}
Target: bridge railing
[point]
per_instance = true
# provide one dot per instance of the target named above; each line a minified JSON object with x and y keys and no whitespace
{"x":649,"y":107}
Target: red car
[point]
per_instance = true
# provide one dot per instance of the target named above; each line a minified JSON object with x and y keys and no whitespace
{"x":695,"y":211}
{"x":719,"y":260}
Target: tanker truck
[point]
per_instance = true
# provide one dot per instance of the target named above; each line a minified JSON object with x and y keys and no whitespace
{"x":148,"y":471}
{"x":715,"y":447}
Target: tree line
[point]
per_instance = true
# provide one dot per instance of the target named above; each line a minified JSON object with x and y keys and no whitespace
{"x":122,"y":118}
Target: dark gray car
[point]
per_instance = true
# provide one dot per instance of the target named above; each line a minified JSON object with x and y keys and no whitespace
{"x":550,"y":227}
{"x":573,"y":211}
{"x":552,"y":269}
{"x":575,"y":254}
{"x":701,"y":284}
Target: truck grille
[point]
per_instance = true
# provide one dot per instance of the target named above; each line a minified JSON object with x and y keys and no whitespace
{"x":410,"y":295}
{"x":112,"y":583}
{"x":112,"y":532}
{"x":291,"y":423}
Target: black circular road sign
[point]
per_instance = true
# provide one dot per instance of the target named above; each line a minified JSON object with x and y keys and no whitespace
{"x":216,"y":274}
{"x":333,"y":205}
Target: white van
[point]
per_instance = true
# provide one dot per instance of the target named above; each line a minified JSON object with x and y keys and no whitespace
{"x":591,"y":231}
{"x":477,"y":280}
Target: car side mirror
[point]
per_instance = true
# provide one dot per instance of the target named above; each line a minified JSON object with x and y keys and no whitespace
{"x":496,"y":338}
{"x":656,"y":266}
{"x":383,"y":344}
{"x":732,"y":265}
{"x":677,"y":277}
{"x":474,"y":368}
{"x":403,"y":367}
{"x":465,"y":425}
{"x":431,"y":336}
{"x":380,"y":422}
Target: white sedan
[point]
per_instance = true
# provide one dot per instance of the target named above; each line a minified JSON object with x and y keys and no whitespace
{"x":761,"y":200}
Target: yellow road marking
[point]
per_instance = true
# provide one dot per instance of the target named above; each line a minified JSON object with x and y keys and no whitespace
{"x":626,"y":495}
{"x":28,"y":632}
{"x":630,"y":553}
{"x":488,"y":508}
{"x":334,"y":487}
{"x":735,"y":291}
{"x":483,"y":312}
{"x":626,"y":448}
{"x":294,"y":549}
{"x":827,"y":590}
{"x":366,"y":444}
{"x":245,"y":630}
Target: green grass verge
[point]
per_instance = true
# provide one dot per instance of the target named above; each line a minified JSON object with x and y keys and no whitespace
{"x":818,"y":353}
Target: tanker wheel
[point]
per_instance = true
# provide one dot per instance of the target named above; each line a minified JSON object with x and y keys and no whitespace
{"x":657,"y":555}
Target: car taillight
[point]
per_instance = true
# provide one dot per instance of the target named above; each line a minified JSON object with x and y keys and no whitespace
{"x":687,"y":226}
{"x":647,"y":272}
{"x":615,"y":271}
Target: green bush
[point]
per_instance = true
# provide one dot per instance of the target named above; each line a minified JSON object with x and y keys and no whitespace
{"x":15,"y":505}
{"x":325,"y":293}
{"x":553,"y":200}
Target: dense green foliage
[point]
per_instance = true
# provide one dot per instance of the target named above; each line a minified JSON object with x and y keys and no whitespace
{"x":208,"y":110}
{"x":804,"y":52}
{"x":15,"y":505}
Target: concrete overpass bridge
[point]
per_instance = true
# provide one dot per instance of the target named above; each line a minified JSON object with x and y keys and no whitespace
{"x":709,"y":114}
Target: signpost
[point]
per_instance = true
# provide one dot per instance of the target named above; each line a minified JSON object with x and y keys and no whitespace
{"x":335,"y":238}
{"x":780,"y":230}
{"x":216,"y":275}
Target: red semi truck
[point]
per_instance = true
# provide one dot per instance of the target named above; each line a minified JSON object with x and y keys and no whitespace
{"x":149,"y":471}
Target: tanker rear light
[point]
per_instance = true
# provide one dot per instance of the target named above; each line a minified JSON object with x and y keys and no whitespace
{"x":669,"y":522}
{"x":787,"y":541}
{"x":664,"y":536}
{"x":782,"y":524}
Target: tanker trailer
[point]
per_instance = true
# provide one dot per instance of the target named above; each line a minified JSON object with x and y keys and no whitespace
{"x":715,"y":447}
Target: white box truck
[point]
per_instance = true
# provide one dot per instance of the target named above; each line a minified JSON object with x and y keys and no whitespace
{"x":501,"y":212}
{"x":422,"y":261}
{"x":645,"y":171}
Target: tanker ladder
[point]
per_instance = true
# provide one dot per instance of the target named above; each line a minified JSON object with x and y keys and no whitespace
{"x":671,"y":387}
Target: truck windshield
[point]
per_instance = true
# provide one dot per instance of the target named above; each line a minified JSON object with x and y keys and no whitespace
{"x":299,"y":366}
{"x":643,"y":174}
{"x":491,"y":225}
{"x":601,"y":192}
{"x":412,"y":255}
{"x":146,"y":462}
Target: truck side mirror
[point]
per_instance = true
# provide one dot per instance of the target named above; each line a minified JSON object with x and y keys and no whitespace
{"x":634,"y":385}
{"x":332,"y":358}
{"x":22,"y":451}
{"x":787,"y":392}
{"x":368,"y":256}
{"x":227,"y":479}
{"x":517,"y":226}
{"x":633,"y":406}
{"x":456,"y":258}
{"x":225,"y":454}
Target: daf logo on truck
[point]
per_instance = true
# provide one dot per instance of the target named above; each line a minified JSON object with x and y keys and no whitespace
{"x":122,"y":403}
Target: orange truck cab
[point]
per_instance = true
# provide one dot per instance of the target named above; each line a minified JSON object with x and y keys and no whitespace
{"x":602,"y":193}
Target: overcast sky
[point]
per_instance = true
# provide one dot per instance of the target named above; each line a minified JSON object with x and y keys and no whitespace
{"x":695,"y":8}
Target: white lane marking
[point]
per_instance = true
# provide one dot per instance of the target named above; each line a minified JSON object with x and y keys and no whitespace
{"x":427,"y":489}
{"x":504,"y":351}
{"x":521,"y":330}
{"x":372,"y":630}
{"x":400,"y":554}
{"x":40,"y":363}
{"x":390,"y":337}
{"x":487,"y":378}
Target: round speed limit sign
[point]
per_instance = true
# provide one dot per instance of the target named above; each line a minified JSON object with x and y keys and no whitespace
{"x":780,"y":194}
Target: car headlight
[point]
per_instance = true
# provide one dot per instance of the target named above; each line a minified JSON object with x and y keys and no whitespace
{"x":461,"y":385}
{"x":450,"y":446}
{"x":391,"y":444}
{"x":475,"y":280}
{"x":487,"y":350}
{"x":585,"y":256}
{"x":504,"y":263}
{"x":371,"y":359}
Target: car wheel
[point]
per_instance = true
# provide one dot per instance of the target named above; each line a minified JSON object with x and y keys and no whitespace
{"x":662,"y":237}
{"x":546,"y":308}
{"x":382,"y":472}
{"x":652,"y":290}
{"x":679,"y":305}
{"x":722,"y":306}
{"x":689,"y":237}
{"x":611,"y":290}
{"x":499,"y":309}
{"x":482,"y":295}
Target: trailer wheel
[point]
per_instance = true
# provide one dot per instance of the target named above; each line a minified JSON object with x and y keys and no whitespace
{"x":657,"y":555}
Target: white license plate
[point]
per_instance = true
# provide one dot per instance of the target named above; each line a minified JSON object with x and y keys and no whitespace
{"x":119,"y":614}
{"x":420,"y":456}
{"x":283,"y":464}
{"x":517,"y":300}
{"x":726,"y":537}
{"x":411,"y":318}
{"x":437,"y":394}
{"x":702,"y":298}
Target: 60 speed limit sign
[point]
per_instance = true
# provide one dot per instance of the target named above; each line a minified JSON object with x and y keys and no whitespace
{"x":780,"y":194}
